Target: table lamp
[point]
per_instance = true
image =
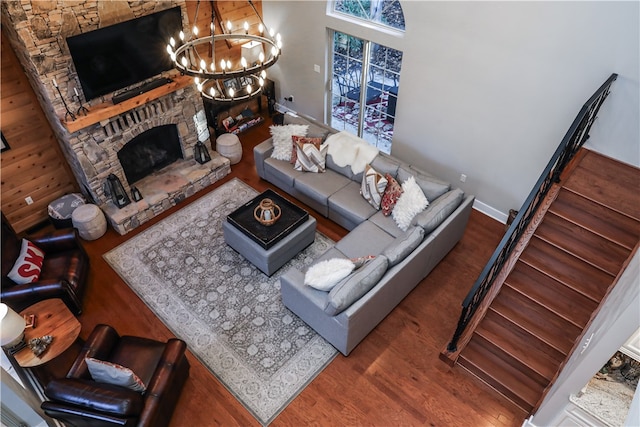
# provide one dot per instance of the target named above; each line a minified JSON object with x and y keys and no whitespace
{"x":11,"y":329}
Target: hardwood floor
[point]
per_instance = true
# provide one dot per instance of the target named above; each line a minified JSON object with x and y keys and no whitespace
{"x":394,"y":377}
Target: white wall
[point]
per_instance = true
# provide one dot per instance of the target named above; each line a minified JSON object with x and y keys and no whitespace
{"x":487,"y":88}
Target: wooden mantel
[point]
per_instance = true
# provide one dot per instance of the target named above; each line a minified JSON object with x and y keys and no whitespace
{"x":106,"y":110}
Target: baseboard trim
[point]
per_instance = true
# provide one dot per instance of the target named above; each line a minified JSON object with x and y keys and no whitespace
{"x":281,"y":108}
{"x":490,"y":211}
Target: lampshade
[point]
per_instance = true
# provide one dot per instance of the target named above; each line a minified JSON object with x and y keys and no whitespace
{"x":11,"y":327}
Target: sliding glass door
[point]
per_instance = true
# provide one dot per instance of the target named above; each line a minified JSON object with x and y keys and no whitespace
{"x":369,"y":113}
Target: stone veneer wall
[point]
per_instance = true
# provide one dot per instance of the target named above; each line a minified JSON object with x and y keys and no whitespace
{"x":37,"y":30}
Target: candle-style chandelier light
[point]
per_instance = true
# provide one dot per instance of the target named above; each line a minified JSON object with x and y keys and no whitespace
{"x":234,"y":77}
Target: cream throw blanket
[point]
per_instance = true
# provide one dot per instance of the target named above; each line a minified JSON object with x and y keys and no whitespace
{"x":348,"y":149}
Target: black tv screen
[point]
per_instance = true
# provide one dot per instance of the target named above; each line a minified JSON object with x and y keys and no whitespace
{"x":121,"y":55}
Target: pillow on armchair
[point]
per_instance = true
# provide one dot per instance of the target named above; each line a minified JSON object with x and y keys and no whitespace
{"x":112,"y":373}
{"x":28,"y":265}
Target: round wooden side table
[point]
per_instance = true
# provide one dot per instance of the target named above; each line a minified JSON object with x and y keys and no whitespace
{"x":52,"y":318}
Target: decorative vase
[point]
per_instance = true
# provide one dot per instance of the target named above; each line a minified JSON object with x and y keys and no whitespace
{"x":267,"y":212}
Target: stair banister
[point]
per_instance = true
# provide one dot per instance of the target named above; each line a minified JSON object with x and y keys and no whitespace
{"x":575,"y":137}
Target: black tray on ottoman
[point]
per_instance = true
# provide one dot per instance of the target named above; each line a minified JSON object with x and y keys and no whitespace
{"x":268,"y":235}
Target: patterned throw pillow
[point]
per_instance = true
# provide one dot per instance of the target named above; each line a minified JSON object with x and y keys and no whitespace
{"x":305,"y":140}
{"x":112,"y":373}
{"x":282,"y":139}
{"x":311,"y":158}
{"x":28,"y":265}
{"x":391,"y":195}
{"x":372,"y":187}
{"x":411,"y":202}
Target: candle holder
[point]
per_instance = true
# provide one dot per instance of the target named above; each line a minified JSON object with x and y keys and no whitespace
{"x":267,"y":212}
{"x":82,"y":109}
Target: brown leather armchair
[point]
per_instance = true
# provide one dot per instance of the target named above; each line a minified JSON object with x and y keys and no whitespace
{"x":79,"y":401}
{"x":64,"y":271}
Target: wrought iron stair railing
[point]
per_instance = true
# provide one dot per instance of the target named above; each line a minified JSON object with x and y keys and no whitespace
{"x":575,"y":138}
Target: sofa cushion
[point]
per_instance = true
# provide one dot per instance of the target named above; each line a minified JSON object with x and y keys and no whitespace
{"x":282,"y":141}
{"x":431,"y":186}
{"x":411,"y":202}
{"x":366,"y":239}
{"x":386,"y":223}
{"x":112,"y":399}
{"x":438,"y":210}
{"x":348,"y":204}
{"x":356,"y":285}
{"x":28,"y":266}
{"x":280,"y":171}
{"x":313,"y":129}
{"x":403,"y":245}
{"x":373,"y":186}
{"x":342,"y":170}
{"x":320,"y":188}
{"x":385,"y":164}
{"x":310,"y":158}
{"x":324,"y":275}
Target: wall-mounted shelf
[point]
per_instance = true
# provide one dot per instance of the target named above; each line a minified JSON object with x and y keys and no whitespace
{"x":106,"y":110}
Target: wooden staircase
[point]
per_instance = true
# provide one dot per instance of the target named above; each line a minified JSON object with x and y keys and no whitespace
{"x":556,"y":286}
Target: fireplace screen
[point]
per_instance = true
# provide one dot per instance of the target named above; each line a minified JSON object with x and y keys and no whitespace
{"x":150,"y":151}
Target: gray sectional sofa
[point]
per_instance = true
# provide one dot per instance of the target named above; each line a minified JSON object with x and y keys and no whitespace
{"x":345,"y":315}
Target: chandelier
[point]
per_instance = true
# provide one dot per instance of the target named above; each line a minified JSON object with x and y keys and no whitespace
{"x":234,"y":77}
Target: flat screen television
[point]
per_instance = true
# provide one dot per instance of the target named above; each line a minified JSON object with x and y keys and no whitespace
{"x":121,"y":55}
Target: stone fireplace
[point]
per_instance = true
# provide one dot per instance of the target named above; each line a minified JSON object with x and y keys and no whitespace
{"x":37,"y":30}
{"x":151,"y":146}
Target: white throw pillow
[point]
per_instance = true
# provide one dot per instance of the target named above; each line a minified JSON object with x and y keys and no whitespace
{"x":326,"y":274}
{"x":412,"y":201}
{"x":112,"y":373}
{"x":282,"y":141}
{"x":28,"y":265}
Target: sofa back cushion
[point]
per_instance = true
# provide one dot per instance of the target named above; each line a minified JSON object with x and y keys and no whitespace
{"x":431,"y":186}
{"x":385,"y":164}
{"x":356,"y":285}
{"x":403,"y":245}
{"x":438,"y":210}
{"x":315,"y":130}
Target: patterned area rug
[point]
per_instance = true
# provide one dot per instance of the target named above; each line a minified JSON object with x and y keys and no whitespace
{"x":228,"y":312}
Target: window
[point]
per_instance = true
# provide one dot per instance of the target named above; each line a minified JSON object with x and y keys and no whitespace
{"x":385,"y":12}
{"x":359,"y":63}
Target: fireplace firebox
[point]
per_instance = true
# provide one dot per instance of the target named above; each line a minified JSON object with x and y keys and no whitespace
{"x":150,"y":151}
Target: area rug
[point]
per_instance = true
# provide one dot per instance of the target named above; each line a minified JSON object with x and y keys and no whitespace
{"x":227,"y":311}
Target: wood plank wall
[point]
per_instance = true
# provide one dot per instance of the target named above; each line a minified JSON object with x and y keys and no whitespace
{"x":34,"y":165}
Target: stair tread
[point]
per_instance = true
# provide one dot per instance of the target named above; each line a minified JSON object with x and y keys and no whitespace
{"x":582,"y":243}
{"x":536,"y":319}
{"x":607,"y":181}
{"x":600,"y":219}
{"x":530,"y":351}
{"x":567,"y":269}
{"x":506,"y":379}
